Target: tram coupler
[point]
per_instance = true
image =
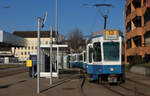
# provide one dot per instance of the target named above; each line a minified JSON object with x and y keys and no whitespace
{"x":112,"y":79}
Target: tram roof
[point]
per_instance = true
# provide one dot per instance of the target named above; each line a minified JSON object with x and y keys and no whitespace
{"x":97,"y":36}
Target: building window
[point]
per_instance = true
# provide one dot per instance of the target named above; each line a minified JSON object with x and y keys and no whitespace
{"x":147,"y":16}
{"x":136,"y":3}
{"x":29,"y":47}
{"x":137,"y":21}
{"x":144,"y":2}
{"x":46,"y":42}
{"x":147,"y":38}
{"x":25,"y":53}
{"x":128,"y":10}
{"x":128,"y":27}
{"x":137,"y":40}
{"x":21,"y":53}
{"x":129,"y":45}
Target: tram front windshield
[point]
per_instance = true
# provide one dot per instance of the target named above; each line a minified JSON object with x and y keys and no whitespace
{"x":111,"y":51}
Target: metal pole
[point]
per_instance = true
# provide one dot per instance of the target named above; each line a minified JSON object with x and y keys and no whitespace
{"x":50,"y":55}
{"x":38,"y":57}
{"x":105,"y":21}
{"x":58,"y":61}
{"x":32,"y":70}
{"x":56,"y":18}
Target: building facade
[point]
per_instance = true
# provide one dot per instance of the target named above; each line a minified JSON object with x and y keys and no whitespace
{"x":23,"y":53}
{"x":137,"y":30}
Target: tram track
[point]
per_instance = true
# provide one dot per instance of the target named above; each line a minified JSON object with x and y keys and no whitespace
{"x":125,"y":90}
{"x":129,"y":79}
{"x":136,"y":92}
{"x":131,"y":88}
{"x":12,"y":72}
{"x":137,"y":87}
{"x":114,"y":91}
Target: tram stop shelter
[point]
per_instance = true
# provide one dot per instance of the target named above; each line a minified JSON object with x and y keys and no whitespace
{"x":57,"y":59}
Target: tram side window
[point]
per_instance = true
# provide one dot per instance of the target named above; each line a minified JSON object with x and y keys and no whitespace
{"x":80,"y":57}
{"x":97,"y":52}
{"x":75,"y":58}
{"x":84,"y":57}
{"x":90,"y":54}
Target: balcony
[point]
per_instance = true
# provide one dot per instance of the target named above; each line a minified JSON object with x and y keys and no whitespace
{"x":134,"y":51}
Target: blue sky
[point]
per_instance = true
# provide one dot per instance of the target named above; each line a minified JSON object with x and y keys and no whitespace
{"x":22,"y":15}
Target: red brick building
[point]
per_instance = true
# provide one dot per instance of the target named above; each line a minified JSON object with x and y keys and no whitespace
{"x":137,"y":30}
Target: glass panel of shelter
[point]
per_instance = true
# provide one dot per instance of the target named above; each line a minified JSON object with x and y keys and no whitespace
{"x":45,"y":60}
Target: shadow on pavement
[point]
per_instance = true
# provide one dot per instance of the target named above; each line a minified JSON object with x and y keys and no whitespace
{"x":8,"y":85}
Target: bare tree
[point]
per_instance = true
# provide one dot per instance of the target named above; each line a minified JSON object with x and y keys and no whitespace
{"x":76,"y":41}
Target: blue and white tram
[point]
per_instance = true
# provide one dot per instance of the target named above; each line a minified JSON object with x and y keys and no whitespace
{"x":106,"y":61}
{"x":89,"y":54}
{"x":84,"y":63}
{"x":71,"y":60}
{"x":75,"y":60}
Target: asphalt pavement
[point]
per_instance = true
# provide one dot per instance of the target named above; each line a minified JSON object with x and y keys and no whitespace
{"x":69,"y":84}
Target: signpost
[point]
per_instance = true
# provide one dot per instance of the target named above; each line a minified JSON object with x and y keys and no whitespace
{"x":29,"y":63}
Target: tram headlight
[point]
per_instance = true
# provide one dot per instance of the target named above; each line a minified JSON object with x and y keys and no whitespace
{"x":111,"y":69}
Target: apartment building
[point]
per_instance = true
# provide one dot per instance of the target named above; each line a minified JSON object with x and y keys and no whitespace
{"x":137,"y":30}
{"x":31,"y":43}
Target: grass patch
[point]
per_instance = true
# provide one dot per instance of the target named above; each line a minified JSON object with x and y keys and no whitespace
{"x":144,"y":65}
{"x":128,"y":66}
{"x":8,"y":66}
